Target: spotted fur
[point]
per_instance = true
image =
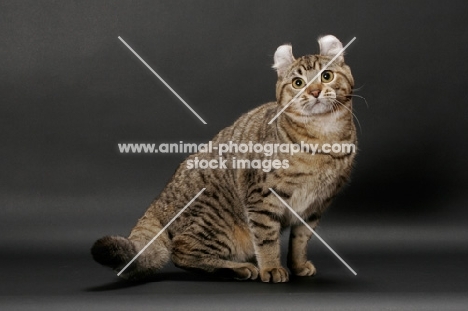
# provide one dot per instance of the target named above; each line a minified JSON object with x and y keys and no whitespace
{"x":233,"y":228}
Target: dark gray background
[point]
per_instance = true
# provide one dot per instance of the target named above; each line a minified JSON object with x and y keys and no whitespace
{"x":70,"y":91}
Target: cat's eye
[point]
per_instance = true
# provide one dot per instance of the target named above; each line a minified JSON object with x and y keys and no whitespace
{"x":298,"y":83}
{"x":327,"y":76}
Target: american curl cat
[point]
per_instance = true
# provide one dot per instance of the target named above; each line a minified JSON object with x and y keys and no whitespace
{"x":233,"y":228}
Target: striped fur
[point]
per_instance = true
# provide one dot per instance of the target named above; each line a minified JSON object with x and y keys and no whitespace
{"x":234,"y":227}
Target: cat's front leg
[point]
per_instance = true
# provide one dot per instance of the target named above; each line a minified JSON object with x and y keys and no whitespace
{"x":297,"y":255}
{"x":265,"y":228}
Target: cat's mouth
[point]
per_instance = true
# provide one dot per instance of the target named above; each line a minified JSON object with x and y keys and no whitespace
{"x":316,"y":106}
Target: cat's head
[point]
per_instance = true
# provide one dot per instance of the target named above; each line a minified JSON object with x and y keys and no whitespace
{"x":328,"y":93}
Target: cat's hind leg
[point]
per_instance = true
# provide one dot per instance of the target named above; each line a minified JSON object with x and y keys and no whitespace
{"x":195,"y":251}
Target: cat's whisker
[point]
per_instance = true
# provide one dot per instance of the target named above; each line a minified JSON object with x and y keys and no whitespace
{"x":335,"y":110}
{"x":359,"y":123}
{"x":305,"y":117}
{"x":358,"y":88}
{"x":359,"y":96}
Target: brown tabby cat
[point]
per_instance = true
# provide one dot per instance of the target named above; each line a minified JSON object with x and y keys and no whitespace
{"x":233,"y":228}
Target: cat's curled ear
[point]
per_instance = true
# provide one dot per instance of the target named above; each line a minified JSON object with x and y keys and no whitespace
{"x":283,"y":59}
{"x":330,"y":46}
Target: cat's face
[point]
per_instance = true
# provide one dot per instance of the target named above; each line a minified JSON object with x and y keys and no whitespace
{"x":328,"y":93}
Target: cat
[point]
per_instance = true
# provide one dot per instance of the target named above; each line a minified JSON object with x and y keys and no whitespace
{"x":233,"y":228}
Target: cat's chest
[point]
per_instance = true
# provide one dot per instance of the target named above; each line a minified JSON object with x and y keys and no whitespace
{"x":303,"y":197}
{"x":314,"y":186}
{"x":311,"y":195}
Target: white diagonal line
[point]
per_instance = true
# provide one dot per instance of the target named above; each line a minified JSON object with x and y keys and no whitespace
{"x":162,"y":80}
{"x":160,"y":232}
{"x":310,"y":82}
{"x":313,"y":231}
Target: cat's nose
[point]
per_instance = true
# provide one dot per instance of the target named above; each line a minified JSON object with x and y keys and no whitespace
{"x":315,"y":92}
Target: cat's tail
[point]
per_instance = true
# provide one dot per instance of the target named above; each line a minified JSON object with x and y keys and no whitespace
{"x":116,"y":251}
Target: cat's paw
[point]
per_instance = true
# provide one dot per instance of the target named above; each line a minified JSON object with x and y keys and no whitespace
{"x":249,"y":272}
{"x":305,"y":269}
{"x":275,"y":275}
